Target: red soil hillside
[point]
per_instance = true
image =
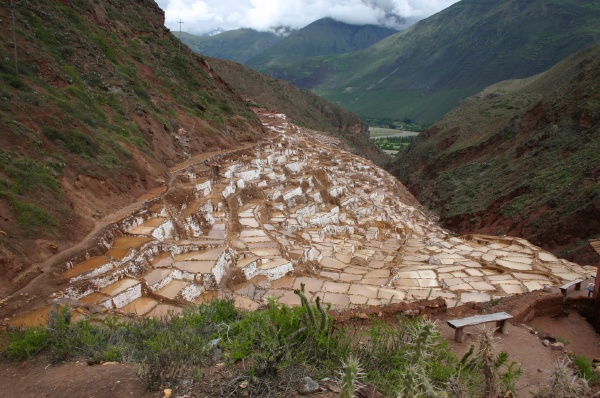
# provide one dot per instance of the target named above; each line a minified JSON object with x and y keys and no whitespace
{"x":520,"y":158}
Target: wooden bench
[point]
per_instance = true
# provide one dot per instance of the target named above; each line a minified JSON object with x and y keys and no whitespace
{"x":459,"y":324}
{"x":566,"y":286}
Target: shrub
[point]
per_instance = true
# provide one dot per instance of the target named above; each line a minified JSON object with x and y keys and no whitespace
{"x":75,"y":141}
{"x":409,"y":358}
{"x":585,"y":368}
{"x":14,"y":81}
{"x":26,"y":343}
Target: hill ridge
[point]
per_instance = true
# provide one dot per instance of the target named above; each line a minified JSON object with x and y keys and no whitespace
{"x":521,"y":157}
{"x":423,"y":72}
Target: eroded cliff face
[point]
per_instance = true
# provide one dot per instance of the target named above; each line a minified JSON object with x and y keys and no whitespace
{"x":521,"y":158}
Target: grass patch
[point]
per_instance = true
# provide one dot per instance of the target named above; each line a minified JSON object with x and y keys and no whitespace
{"x":75,"y":142}
{"x":14,"y":81}
{"x":29,"y":176}
{"x":585,"y":368}
{"x":393,"y":143}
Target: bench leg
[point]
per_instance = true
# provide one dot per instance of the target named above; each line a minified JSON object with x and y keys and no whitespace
{"x":578,"y":286}
{"x":501,"y":326}
{"x":459,"y":335}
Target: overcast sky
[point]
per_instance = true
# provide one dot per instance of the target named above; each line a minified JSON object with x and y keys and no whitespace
{"x":201,"y":16}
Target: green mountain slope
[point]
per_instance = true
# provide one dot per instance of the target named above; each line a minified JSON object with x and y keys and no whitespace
{"x":423,"y":72}
{"x":303,"y":107}
{"x":520,"y":158}
{"x":325,"y":36}
{"x":238,"y":45}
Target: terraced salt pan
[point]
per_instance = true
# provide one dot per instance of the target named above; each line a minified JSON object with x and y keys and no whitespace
{"x":140,"y":306}
{"x":100,"y":263}
{"x":320,"y":212}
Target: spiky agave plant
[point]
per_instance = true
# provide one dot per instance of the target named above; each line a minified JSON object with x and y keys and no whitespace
{"x":352,"y":375}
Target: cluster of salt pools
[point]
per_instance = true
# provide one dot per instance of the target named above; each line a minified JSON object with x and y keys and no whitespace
{"x":260,"y":222}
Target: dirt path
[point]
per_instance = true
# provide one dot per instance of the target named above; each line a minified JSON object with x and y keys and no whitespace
{"x":40,"y":378}
{"x":527,"y":350}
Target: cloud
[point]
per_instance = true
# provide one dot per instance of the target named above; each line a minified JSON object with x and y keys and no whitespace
{"x":202,"y":16}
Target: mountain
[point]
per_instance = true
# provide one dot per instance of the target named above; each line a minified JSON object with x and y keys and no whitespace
{"x":301,"y":106}
{"x":238,"y":45}
{"x":424,"y":71}
{"x":324,"y":36}
{"x":96,"y":106}
{"x":520,"y":158}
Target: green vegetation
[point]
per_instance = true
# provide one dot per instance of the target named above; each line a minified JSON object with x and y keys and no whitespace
{"x":75,"y":142}
{"x":408,"y":358}
{"x":528,"y":149}
{"x":351,"y":375}
{"x":584,"y":368}
{"x":30,"y":184}
{"x":393,"y":143}
{"x":426,"y":70}
{"x":386,"y":123}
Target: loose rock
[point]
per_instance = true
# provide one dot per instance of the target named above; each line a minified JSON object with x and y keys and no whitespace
{"x":308,"y":386}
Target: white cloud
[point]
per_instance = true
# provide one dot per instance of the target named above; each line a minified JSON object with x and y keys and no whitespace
{"x":200,"y":16}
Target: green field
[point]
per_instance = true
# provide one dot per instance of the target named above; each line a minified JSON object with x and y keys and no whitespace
{"x":391,"y":141}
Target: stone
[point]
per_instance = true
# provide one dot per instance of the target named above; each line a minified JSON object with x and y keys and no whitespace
{"x":308,"y":386}
{"x":546,"y":343}
{"x":557,"y":346}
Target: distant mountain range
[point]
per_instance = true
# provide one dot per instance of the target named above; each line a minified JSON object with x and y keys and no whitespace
{"x":520,"y":158}
{"x":323,"y":37}
{"x":261,"y":50}
{"x":426,"y":70}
